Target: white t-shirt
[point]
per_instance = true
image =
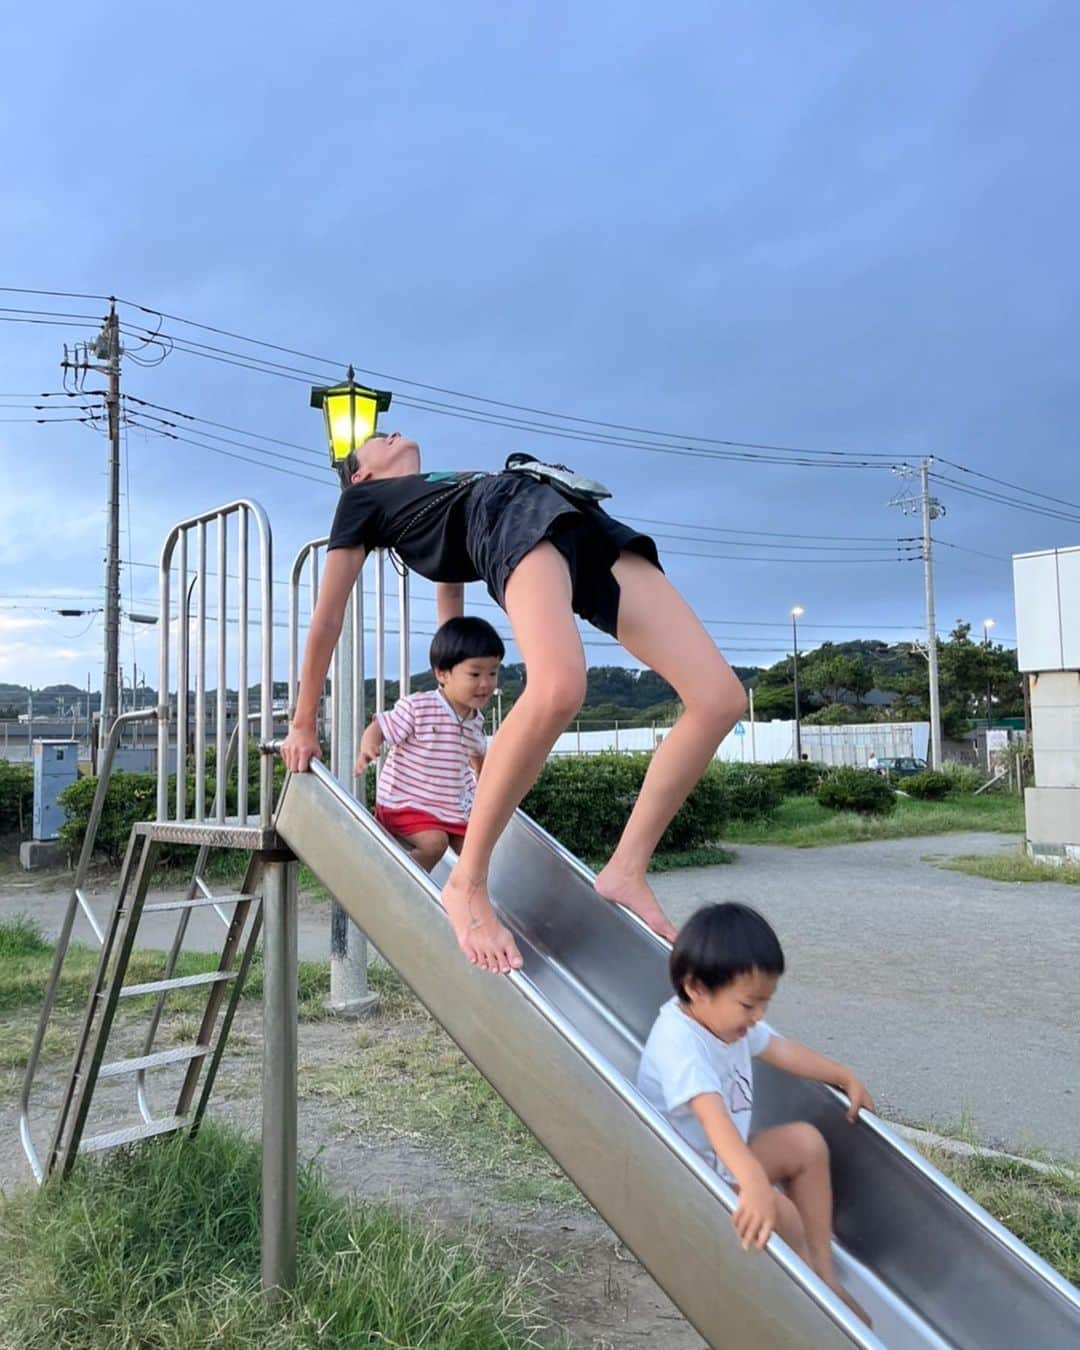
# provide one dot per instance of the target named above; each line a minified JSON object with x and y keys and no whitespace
{"x":681,"y":1060}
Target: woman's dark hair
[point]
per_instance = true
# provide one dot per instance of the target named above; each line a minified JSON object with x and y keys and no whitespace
{"x":464,"y":639}
{"x":721,"y":942}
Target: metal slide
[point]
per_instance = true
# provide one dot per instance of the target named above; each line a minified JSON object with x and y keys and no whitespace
{"x":560,"y":1042}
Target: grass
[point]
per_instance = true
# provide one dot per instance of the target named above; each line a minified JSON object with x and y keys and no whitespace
{"x":1041,"y":1208}
{"x":1013,"y":866}
{"x":802,"y":822}
{"x":159,"y":1247}
{"x":414,"y":1083}
{"x":26,"y":960}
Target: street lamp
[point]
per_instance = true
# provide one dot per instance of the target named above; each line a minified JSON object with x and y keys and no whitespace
{"x":987,"y":625}
{"x":796,"y":612}
{"x":351,"y":411}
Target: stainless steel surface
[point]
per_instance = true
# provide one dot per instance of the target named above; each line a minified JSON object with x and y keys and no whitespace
{"x":131,"y":1134}
{"x":157,"y":1060}
{"x":253,"y":837}
{"x":242,"y":674}
{"x":539,"y":1056}
{"x":183,"y":629}
{"x":89,"y":915}
{"x":403,"y":630}
{"x":200,"y":674}
{"x":279,"y":1124}
{"x":349,"y":991}
{"x":359,"y":692}
{"x":176,"y":982}
{"x":561,"y":1043}
{"x":63,"y":940}
{"x":221,"y":713}
{"x":176,"y":547}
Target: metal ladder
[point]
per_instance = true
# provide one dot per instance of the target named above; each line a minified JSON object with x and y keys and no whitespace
{"x":208,"y":829}
{"x":107,"y":990}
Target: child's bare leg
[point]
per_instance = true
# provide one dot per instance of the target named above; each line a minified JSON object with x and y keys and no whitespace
{"x":797,"y":1157}
{"x":538,"y":599}
{"x":427,"y":847}
{"x":658,"y":627}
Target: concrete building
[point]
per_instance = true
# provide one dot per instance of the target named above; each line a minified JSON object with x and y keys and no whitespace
{"x":1047,"y":590}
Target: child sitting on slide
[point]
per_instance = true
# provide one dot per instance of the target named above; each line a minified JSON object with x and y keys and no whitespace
{"x":437,"y":742}
{"x":697,"y":1071}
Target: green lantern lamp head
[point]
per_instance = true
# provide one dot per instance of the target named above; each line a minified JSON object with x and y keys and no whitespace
{"x":351,"y":412}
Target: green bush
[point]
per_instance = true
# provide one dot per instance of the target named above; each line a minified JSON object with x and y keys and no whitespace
{"x":585,"y":801}
{"x":963,"y":778}
{"x":131,"y":797}
{"x":795,"y":777}
{"x":16,"y":797}
{"x":861,"y":790}
{"x":930,"y":786}
{"x":750,"y":792}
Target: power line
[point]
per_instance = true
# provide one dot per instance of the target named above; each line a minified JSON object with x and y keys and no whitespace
{"x":1002,"y":482}
{"x":1000,"y":499}
{"x":501,"y":403}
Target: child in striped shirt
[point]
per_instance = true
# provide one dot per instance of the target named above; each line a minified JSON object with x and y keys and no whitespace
{"x":437,"y":743}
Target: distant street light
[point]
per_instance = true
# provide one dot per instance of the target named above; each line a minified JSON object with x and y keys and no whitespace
{"x":796,"y":613}
{"x":987,"y":625}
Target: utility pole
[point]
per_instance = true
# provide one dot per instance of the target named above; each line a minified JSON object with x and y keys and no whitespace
{"x":110,"y":334}
{"x":930,"y":509}
{"x":106,"y":351}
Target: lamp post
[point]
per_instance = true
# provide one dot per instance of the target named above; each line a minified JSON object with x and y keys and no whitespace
{"x":350,"y":411}
{"x":796,"y":612}
{"x":987,"y":625}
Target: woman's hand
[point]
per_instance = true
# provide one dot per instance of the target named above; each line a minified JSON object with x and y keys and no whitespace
{"x":755,"y":1218}
{"x":299,"y":748}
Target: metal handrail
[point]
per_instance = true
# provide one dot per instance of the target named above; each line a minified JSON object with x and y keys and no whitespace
{"x":176,"y":542}
{"x":63,"y":940}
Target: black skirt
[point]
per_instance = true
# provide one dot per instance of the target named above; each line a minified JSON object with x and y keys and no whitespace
{"x":508,"y":515}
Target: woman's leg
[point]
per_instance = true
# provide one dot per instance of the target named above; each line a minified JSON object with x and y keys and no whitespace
{"x":538,"y":604}
{"x":658,"y":627}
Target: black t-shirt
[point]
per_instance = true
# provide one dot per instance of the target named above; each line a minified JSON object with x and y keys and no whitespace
{"x":422,"y":516}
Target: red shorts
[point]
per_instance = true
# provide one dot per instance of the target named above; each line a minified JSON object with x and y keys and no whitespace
{"x":404,"y":821}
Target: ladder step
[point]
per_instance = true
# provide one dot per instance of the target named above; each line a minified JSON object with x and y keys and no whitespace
{"x":197,"y":903}
{"x":114,"y":1138}
{"x":154,"y":1061}
{"x":178,"y":982}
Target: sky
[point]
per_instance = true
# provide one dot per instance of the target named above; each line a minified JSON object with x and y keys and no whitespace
{"x":833,"y":227}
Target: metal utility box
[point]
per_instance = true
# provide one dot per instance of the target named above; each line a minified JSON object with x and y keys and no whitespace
{"x":56,"y":766}
{"x":1047,"y":585}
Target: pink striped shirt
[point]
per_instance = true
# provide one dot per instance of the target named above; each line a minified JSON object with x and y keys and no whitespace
{"x":428,"y":765}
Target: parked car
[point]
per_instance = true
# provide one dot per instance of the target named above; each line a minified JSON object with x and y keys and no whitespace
{"x":900,"y":766}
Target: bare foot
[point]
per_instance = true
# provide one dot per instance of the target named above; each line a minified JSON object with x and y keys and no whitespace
{"x":484,"y":940}
{"x":623,"y":888}
{"x":842,"y":1294}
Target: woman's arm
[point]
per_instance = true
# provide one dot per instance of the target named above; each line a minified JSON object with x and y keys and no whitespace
{"x":449,"y":601}
{"x":342,"y":568}
{"x":802,"y":1062}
